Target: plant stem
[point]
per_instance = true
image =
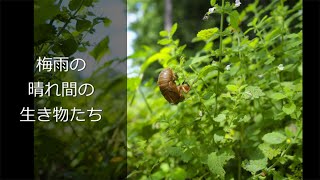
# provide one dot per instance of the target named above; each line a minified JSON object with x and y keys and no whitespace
{"x":145,"y":100}
{"x":220,"y":55}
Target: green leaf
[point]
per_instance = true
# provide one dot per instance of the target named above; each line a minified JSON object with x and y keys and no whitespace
{"x":212,"y":2}
{"x":200,"y":59}
{"x":186,"y":156}
{"x":83,"y":25}
{"x":218,"y":136}
{"x":173,"y":29}
{"x":252,"y":92}
{"x":87,"y":2}
{"x":277,"y":96}
{"x":216,"y":162}
{"x":255,"y":165}
{"x":274,"y":138}
{"x":205,"y":70}
{"x":163,"y":33}
{"x":43,"y":32}
{"x":164,"y":41}
{"x":257,"y":162}
{"x":273,"y":34}
{"x":269,"y":151}
{"x":133,"y":83}
{"x":179,"y":174}
{"x":165,"y":167}
{"x":69,"y":46}
{"x":234,"y":19}
{"x":245,"y":119}
{"x":300,"y":69}
{"x":106,"y":22}
{"x":101,"y":49}
{"x":44,"y":10}
{"x":174,"y":151}
{"x":289,"y":108}
{"x":232,"y":88}
{"x":220,"y":118}
{"x":74,"y":4}
{"x":180,"y":49}
{"x":207,"y":33}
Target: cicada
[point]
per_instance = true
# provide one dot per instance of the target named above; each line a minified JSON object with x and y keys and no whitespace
{"x":171,"y":92}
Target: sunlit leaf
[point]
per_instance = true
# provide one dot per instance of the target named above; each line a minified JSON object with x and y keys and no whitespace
{"x":101,"y":49}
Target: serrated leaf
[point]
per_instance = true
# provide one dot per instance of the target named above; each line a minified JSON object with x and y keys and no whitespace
{"x":289,"y":108}
{"x":101,"y":49}
{"x":255,"y":165}
{"x":164,"y":41}
{"x":277,"y":96}
{"x":269,"y":151}
{"x":220,"y":118}
{"x":207,"y":33}
{"x":252,"y":92}
{"x":173,"y":29}
{"x":216,"y":163}
{"x":174,"y":151}
{"x":212,"y":2}
{"x":274,"y":138}
{"x":257,"y":162}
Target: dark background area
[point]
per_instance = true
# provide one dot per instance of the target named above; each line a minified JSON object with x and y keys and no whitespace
{"x":311,"y":78}
{"x":16,"y":145}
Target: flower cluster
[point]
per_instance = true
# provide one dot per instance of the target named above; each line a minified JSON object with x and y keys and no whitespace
{"x":211,"y":10}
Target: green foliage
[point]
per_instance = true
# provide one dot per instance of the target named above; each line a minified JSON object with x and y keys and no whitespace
{"x":78,"y":150}
{"x":216,"y":163}
{"x":242,"y":118}
{"x":101,"y":49}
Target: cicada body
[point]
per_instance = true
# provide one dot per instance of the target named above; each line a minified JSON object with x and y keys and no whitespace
{"x":171,"y":92}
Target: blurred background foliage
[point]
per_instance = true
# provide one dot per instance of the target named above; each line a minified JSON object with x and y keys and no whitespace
{"x":79,"y":150}
{"x":242,"y":118}
{"x":188,"y":14}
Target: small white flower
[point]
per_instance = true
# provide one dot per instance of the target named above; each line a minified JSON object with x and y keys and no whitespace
{"x":281,"y":67}
{"x":260,"y":75}
{"x":228,"y":67}
{"x":211,"y":10}
{"x":237,"y":3}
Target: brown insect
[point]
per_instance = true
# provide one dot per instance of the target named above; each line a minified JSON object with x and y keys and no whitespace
{"x":171,"y":92}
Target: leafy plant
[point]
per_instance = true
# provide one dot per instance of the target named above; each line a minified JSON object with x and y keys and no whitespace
{"x":242,"y":118}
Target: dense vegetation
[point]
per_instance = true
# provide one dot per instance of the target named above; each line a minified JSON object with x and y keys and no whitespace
{"x":242,"y":118}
